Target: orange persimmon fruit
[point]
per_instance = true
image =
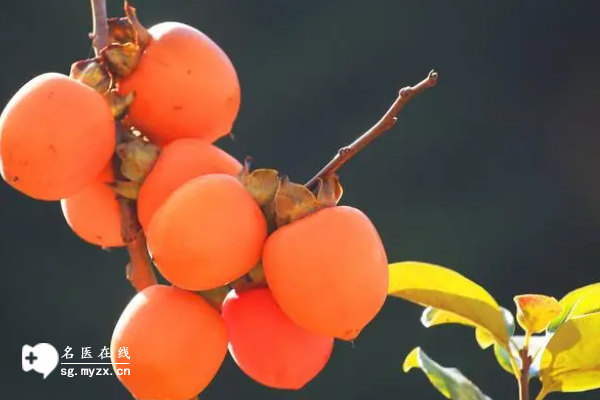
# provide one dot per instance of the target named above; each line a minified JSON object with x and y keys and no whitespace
{"x":175,"y":342}
{"x":268,"y":346}
{"x":93,"y":213}
{"x":56,"y":136}
{"x":180,"y":161}
{"x":328,"y":271}
{"x":185,"y":85}
{"x":209,"y":232}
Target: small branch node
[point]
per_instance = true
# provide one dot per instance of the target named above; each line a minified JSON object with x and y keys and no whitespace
{"x":385,"y":123}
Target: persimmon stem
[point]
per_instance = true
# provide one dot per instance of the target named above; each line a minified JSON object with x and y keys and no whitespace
{"x":526,"y":361}
{"x":139,"y":270}
{"x":384,"y":124}
{"x":99,"y":33}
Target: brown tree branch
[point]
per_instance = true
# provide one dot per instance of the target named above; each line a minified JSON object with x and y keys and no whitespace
{"x":385,"y":123}
{"x":99,"y":33}
{"x":139,"y":270}
{"x":524,"y":376}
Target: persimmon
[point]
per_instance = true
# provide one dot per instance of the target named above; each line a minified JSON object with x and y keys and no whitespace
{"x":175,"y":342}
{"x":328,"y":271}
{"x":185,"y":86}
{"x":93,"y":213}
{"x":268,"y":346}
{"x":56,"y":136}
{"x":180,"y":161}
{"x":209,"y":232}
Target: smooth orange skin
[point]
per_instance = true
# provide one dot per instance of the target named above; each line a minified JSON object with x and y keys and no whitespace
{"x":185,"y":85}
{"x":268,"y":346}
{"x":93,"y":213}
{"x":56,"y":136}
{"x":180,"y":161}
{"x":176,"y":343}
{"x":328,"y":271}
{"x":209,"y":232}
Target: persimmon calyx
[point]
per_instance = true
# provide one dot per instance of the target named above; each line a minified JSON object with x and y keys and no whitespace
{"x":293,"y":201}
{"x":329,"y":191}
{"x":119,"y":103}
{"x":137,"y":157}
{"x":142,"y":37}
{"x":261,"y":183}
{"x":93,"y":73}
{"x":126,"y":189}
{"x":283,"y":201}
{"x":253,"y":279}
{"x":128,"y":39}
{"x":121,"y":58}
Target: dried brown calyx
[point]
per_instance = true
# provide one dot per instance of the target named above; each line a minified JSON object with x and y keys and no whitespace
{"x":284,"y":201}
{"x":127,"y":40}
{"x":136,"y":157}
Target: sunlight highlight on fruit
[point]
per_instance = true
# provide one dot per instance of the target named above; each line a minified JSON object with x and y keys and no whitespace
{"x":209,"y":232}
{"x":175,"y":340}
{"x":179,"y":162}
{"x":328,"y":271}
{"x":185,"y":85}
{"x":93,"y":213}
{"x":56,"y":136}
{"x":268,"y":346}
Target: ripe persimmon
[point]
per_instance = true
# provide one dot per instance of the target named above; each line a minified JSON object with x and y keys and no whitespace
{"x":93,"y":213}
{"x":328,"y":271}
{"x":209,"y":232}
{"x":175,"y":343}
{"x":268,"y":346}
{"x":56,"y":136}
{"x":180,"y":161}
{"x":185,"y":85}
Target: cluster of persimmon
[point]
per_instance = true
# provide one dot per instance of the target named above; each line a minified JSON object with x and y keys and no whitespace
{"x":152,"y":103}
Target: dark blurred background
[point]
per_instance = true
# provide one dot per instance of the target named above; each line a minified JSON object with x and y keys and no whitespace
{"x":492,"y":173}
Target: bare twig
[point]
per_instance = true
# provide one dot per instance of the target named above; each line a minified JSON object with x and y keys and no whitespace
{"x":385,"y":123}
{"x":99,"y":33}
{"x":139,"y":270}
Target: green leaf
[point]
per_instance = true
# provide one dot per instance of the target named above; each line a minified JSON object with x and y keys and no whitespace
{"x":448,"y":381}
{"x":581,"y":301}
{"x":571,"y":360}
{"x":441,"y":288}
{"x":503,"y":359}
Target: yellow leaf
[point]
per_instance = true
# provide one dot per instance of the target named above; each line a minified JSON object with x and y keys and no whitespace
{"x":448,"y":381}
{"x":536,"y":311}
{"x":484,"y":338}
{"x":434,"y":286}
{"x":571,"y":360}
{"x":432,"y":317}
{"x":580,"y":301}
